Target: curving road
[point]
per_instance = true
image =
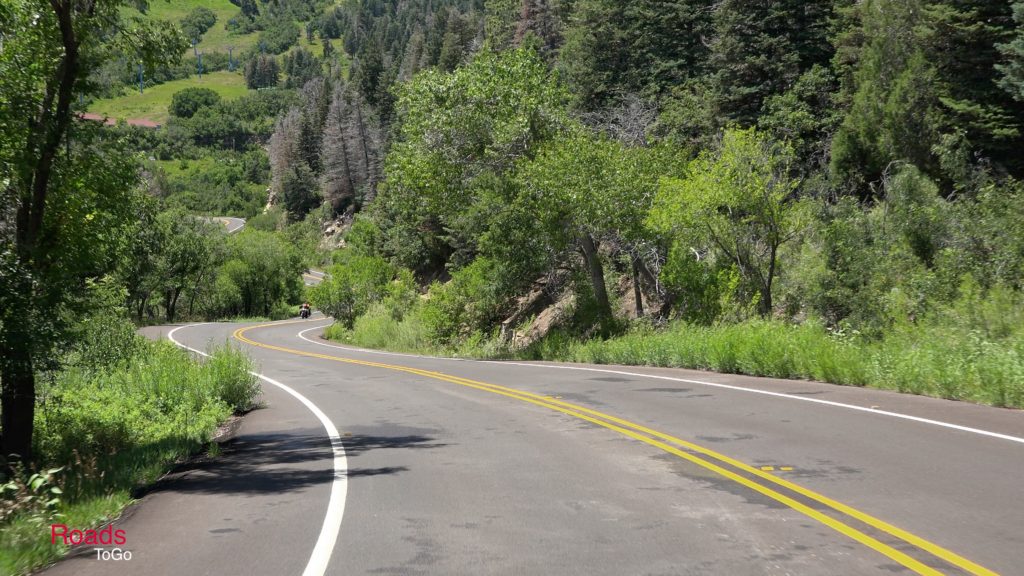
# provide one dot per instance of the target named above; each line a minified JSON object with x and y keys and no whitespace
{"x":461,"y":467}
{"x":231,"y":225}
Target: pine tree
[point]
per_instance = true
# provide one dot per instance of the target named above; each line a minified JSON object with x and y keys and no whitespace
{"x":644,"y":47}
{"x":892,"y":115}
{"x":962,"y":39}
{"x":539,"y":19}
{"x":760,"y":49}
{"x":338,"y":186}
{"x":1012,"y":69}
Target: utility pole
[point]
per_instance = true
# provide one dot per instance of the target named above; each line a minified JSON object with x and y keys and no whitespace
{"x":199,"y":64}
{"x":141,"y":82}
{"x":231,"y":60}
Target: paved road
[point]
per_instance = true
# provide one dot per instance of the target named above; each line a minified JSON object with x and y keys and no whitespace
{"x":232,"y":225}
{"x":313,"y":277}
{"x":459,"y":467}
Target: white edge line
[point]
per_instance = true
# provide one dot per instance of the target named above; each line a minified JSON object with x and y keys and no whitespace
{"x":321,"y":555}
{"x":899,"y":415}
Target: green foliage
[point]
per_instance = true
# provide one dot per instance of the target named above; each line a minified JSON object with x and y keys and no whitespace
{"x":262,"y":71}
{"x":280,"y":35}
{"x":185,"y":103}
{"x":300,"y":190}
{"x":736,"y":203}
{"x":645,"y":47}
{"x":264,"y":271}
{"x":1013,"y":51}
{"x":301,"y":66}
{"x":960,"y":365}
{"x":197,"y":22}
{"x":459,"y":137}
{"x":470,"y":302}
{"x":104,"y":430}
{"x":354,"y":283}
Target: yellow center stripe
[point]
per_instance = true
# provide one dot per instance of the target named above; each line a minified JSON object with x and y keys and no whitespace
{"x":659,"y":439}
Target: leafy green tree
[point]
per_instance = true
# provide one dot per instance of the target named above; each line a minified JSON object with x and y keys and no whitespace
{"x":185,"y":103}
{"x":265,"y":271}
{"x":352,"y":285}
{"x":738,"y":202}
{"x":583,"y":190}
{"x":66,"y":201}
{"x":187,"y":258}
{"x":197,"y":22}
{"x":280,"y":35}
{"x":459,"y":136}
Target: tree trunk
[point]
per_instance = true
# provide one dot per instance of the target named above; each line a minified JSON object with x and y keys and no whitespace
{"x":637,"y":293}
{"x":766,"y":287}
{"x":48,"y":129}
{"x":19,"y":390}
{"x":596,"y":270}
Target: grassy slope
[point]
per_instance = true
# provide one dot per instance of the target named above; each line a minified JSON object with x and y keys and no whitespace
{"x":152,"y":105}
{"x":216,"y":39}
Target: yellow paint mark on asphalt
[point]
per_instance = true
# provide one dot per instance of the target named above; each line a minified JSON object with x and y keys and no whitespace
{"x":767,"y":468}
{"x":659,"y":439}
{"x":786,"y":468}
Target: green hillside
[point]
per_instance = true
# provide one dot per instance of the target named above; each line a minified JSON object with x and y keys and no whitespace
{"x":217,"y":38}
{"x":152,"y":104}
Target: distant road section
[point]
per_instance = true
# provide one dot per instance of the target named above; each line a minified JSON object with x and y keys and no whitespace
{"x":313,"y":277}
{"x":232,"y":225}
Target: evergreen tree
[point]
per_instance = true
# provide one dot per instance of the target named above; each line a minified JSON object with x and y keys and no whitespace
{"x":760,"y":49}
{"x":962,"y":38}
{"x":892,"y":113}
{"x":301,"y":66}
{"x":299,"y":190}
{"x":338,"y":185}
{"x":262,"y":71}
{"x":539,"y":19}
{"x":1012,"y":69}
{"x":645,"y":47}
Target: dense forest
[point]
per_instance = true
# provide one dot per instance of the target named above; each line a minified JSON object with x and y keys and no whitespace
{"x":558,"y":173}
{"x":827,"y":189}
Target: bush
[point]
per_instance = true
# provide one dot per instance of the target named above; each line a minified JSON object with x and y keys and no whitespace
{"x":354,"y":283}
{"x":197,"y":22}
{"x":468,"y":303}
{"x":185,"y":103}
{"x":280,"y":35}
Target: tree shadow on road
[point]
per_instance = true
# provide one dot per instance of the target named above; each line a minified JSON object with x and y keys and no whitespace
{"x":276,"y":463}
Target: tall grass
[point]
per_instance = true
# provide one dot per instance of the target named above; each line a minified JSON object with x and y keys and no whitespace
{"x":117,"y":428}
{"x":378,"y":328}
{"x":945,"y":362}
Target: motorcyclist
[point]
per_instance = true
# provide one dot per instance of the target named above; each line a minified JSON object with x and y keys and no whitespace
{"x":304,"y":310}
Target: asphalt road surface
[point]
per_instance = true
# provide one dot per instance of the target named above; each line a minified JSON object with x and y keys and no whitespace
{"x":458,"y":467}
{"x":232,"y":225}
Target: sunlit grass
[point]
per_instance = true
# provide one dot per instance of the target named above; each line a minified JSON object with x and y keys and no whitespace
{"x":154,"y":102}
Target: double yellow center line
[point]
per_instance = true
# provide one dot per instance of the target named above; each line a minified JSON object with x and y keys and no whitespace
{"x":768,"y":486}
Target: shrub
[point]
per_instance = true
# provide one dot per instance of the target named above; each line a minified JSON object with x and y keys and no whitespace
{"x":185,"y":103}
{"x":354,"y":283}
{"x":469,"y":302}
{"x":197,"y":22}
